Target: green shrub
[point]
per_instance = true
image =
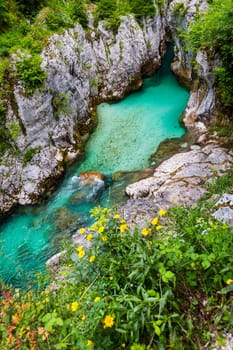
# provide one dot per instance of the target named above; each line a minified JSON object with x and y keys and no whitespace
{"x":29,"y":154}
{"x":142,"y":8}
{"x":179,"y":9}
{"x":14,"y":130}
{"x":4,"y":140}
{"x":29,"y":71}
{"x":61,"y":104}
{"x":78,"y":12}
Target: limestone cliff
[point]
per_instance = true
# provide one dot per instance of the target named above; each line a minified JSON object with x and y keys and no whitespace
{"x":82,"y":70}
{"x":195,"y":71}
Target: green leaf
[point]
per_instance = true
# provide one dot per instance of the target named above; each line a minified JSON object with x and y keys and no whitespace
{"x":157,"y":330}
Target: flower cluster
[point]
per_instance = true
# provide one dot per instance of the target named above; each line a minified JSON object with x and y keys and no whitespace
{"x":81,"y":252}
{"x":154,"y":224}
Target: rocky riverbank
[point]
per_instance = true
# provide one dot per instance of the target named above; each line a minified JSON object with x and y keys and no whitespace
{"x":84,"y":69}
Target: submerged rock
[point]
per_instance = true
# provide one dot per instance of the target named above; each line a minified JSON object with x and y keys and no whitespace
{"x":88,"y":186}
{"x":90,"y":177}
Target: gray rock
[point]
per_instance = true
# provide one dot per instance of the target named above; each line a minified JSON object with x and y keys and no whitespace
{"x":182,"y":178}
{"x":224,"y":210}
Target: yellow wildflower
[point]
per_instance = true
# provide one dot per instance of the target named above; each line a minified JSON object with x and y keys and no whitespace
{"x":92,"y":258}
{"x":82,"y":230}
{"x":154,"y":221}
{"x":104,"y":238}
{"x":89,"y":237}
{"x":97,"y":299}
{"x":101,"y":229}
{"x":111,"y":278}
{"x":90,"y":343}
{"x":108,"y":321}
{"x":81,"y":253}
{"x":83,"y":318}
{"x":74,"y":306}
{"x":123,"y":221}
{"x":158,"y":227}
{"x":80,"y":248}
{"x":123,"y":228}
{"x":162,"y":212}
{"x":146,"y":231}
{"x":229,"y":281}
{"x":45,"y":335}
{"x":116,"y":216}
{"x":93,"y":227}
{"x":15,"y":319}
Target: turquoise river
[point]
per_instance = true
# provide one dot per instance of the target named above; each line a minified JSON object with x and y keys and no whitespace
{"x":128,"y":133}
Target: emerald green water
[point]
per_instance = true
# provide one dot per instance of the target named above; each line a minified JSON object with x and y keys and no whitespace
{"x":128,"y":132}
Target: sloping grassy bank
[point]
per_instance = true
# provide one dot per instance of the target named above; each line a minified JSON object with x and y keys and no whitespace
{"x":167,"y":286}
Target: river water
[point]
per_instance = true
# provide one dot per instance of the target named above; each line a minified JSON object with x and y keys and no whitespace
{"x":128,"y":132}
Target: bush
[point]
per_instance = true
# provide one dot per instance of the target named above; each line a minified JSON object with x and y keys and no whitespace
{"x":142,"y":8}
{"x":29,"y":154}
{"x":14,"y":130}
{"x":29,"y":71}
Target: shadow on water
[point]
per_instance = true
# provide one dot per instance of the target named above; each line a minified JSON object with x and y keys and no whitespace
{"x":127,"y":134}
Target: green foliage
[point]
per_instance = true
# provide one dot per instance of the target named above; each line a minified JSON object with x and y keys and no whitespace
{"x":167,"y":286}
{"x":7,"y":14}
{"x":179,"y":9}
{"x":61,"y":104}
{"x":222,"y":131}
{"x":29,"y":71}
{"x":222,"y":184}
{"x":30,"y":7}
{"x":110,"y":11}
{"x":14,"y":130}
{"x":4,"y":139}
{"x":64,"y":15}
{"x":29,"y":154}
{"x":142,"y":8}
{"x":4,"y":133}
{"x":213,"y":30}
{"x":78,"y":12}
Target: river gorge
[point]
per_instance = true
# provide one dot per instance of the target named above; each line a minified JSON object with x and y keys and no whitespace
{"x":127,"y":134}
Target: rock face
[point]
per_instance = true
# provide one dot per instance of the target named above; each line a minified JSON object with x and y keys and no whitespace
{"x":182,"y":178}
{"x":201,"y":105}
{"x":82,"y":70}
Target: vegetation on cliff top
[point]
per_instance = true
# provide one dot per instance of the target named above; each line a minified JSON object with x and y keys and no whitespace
{"x":212,"y":32}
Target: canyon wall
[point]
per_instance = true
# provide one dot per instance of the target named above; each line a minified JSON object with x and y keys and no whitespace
{"x":84,"y":69}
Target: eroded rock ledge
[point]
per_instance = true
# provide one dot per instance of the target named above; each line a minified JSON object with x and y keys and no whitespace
{"x":181,"y":179}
